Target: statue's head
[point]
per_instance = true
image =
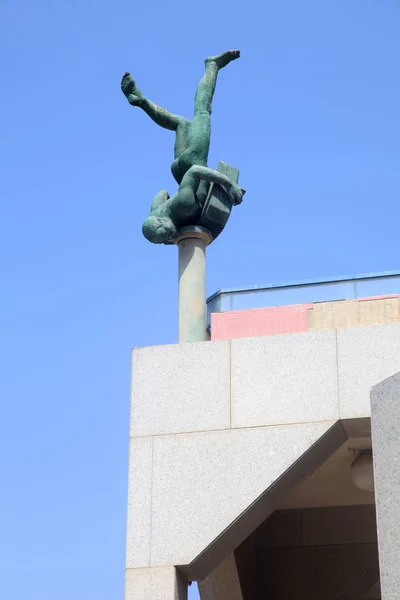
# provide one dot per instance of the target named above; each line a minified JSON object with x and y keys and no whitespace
{"x":159,"y":230}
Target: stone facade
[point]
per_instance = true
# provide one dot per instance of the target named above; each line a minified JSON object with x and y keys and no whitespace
{"x":224,"y":433}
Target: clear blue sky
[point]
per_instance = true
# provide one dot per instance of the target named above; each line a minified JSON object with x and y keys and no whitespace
{"x":310,"y":115}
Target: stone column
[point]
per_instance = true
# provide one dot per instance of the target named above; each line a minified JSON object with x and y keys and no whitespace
{"x":385,"y":425}
{"x":222,"y":583}
{"x":192,"y":243}
{"x":155,"y":583}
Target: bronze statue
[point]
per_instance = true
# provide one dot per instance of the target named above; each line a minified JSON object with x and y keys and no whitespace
{"x":197,"y":201}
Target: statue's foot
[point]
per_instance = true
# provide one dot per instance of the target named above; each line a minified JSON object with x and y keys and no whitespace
{"x":221,"y":60}
{"x":128,"y":87}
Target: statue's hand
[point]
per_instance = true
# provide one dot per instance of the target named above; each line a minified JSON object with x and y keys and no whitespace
{"x":236,"y":193}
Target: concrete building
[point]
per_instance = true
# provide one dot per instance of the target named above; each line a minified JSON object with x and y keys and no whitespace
{"x":251,"y":454}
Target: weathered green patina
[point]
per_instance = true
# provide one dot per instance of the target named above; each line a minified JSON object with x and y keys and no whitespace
{"x":205,"y":196}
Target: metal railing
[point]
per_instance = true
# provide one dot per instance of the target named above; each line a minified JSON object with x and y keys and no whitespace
{"x":302,"y":292}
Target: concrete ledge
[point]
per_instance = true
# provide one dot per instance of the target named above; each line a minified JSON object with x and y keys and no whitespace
{"x":256,"y":382}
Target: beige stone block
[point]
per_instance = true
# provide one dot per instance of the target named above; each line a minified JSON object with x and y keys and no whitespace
{"x":367,"y":314}
{"x":366,"y":356}
{"x":345,"y":314}
{"x":180,"y":388}
{"x":284,"y":379}
{"x":392,"y":310}
{"x":320,"y":317}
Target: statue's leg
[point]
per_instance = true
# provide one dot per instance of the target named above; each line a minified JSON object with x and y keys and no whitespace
{"x":200,"y":127}
{"x":159,"y":115}
{"x":158,"y":200}
{"x":180,"y":147}
{"x":206,"y":88}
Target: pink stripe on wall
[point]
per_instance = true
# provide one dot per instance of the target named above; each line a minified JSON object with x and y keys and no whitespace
{"x":378,"y":297}
{"x":271,"y":320}
{"x":259,"y":321}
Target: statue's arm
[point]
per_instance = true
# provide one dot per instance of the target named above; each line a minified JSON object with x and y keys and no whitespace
{"x":206,"y":174}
